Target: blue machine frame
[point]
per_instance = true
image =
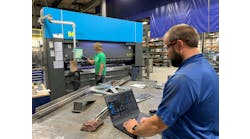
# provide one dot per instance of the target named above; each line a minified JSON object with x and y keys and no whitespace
{"x":92,"y":27}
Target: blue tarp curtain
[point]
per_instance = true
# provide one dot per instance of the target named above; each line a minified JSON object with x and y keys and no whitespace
{"x":214,"y":16}
{"x":202,"y":14}
{"x":196,"y":13}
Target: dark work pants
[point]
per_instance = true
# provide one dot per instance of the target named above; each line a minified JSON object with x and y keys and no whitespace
{"x":99,"y":79}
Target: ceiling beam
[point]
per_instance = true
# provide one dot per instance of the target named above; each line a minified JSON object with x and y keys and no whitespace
{"x":92,"y":4}
{"x":80,"y":3}
{"x":38,"y":5}
{"x":56,"y":3}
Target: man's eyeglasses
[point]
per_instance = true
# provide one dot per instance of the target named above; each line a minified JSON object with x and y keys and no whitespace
{"x":171,"y":43}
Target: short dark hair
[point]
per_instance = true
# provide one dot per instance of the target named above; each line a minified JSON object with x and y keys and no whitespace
{"x":184,"y":32}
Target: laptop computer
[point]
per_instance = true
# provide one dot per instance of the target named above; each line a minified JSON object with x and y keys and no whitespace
{"x":122,"y":107}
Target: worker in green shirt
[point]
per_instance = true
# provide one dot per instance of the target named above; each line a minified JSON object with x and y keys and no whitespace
{"x":100,"y":63}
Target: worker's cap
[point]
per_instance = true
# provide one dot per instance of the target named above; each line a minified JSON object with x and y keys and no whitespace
{"x":98,"y":46}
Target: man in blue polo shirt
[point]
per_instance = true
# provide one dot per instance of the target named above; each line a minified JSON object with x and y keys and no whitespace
{"x":190,"y":102}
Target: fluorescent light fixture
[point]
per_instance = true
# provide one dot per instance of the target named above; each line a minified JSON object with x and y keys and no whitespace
{"x":144,"y":23}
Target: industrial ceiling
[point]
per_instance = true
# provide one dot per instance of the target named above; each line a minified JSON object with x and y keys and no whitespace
{"x":86,"y":6}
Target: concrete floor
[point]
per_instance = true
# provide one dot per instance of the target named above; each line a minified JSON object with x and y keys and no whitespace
{"x":160,"y":74}
{"x":63,"y":124}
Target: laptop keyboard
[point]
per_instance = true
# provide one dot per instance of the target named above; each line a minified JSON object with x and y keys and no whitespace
{"x":121,"y":128}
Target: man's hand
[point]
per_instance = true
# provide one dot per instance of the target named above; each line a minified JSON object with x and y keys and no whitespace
{"x":147,"y":127}
{"x":88,"y":60}
{"x":143,"y":119}
{"x":128,"y":125}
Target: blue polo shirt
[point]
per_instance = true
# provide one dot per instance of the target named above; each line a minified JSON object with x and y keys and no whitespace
{"x":190,"y":103}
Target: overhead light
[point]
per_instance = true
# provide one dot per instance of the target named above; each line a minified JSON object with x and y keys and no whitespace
{"x":144,"y":23}
{"x":211,"y":34}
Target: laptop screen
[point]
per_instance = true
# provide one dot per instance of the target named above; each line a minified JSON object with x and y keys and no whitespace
{"x":121,"y":105}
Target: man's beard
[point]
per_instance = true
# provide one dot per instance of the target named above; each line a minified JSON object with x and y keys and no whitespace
{"x":176,"y":60}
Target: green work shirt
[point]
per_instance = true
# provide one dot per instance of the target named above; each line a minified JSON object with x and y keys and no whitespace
{"x":100,"y":58}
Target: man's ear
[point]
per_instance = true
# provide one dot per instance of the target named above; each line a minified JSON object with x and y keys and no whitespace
{"x":179,"y":45}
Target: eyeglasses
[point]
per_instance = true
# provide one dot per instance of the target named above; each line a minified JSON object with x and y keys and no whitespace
{"x":171,"y":43}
